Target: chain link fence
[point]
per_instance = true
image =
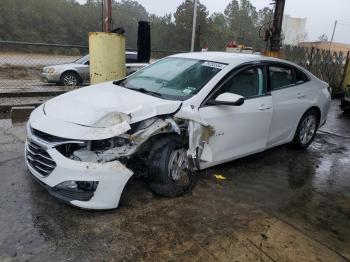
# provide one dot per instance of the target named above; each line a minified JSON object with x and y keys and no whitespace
{"x":32,"y":73}
{"x":325,"y":64}
{"x":22,"y":81}
{"x":22,"y":64}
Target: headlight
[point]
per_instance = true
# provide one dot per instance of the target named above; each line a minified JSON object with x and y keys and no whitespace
{"x":89,"y":149}
{"x":28,"y":130}
{"x":49,"y":70}
{"x":102,"y":145}
{"x":329,"y":90}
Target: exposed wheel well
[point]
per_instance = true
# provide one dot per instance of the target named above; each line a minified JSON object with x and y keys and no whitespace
{"x":150,"y":142}
{"x":143,"y":153}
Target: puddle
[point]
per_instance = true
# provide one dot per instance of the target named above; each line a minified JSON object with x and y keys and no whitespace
{"x":333,"y":174}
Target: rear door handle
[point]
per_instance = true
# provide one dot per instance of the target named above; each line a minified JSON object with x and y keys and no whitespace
{"x":300,"y":95}
{"x":264,"y":107}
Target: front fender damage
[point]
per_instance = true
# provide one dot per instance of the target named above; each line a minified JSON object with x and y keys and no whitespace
{"x":199,"y":132}
{"x":186,"y":122}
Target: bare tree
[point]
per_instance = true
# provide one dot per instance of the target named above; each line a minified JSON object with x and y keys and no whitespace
{"x":323,"y":38}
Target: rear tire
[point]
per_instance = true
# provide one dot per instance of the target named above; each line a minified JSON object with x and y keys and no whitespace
{"x":169,"y":170}
{"x":306,"y":130}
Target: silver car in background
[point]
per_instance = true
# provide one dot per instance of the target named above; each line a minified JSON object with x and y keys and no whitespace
{"x":78,"y":72}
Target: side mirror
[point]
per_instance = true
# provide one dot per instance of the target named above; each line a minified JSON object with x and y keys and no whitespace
{"x":228,"y":99}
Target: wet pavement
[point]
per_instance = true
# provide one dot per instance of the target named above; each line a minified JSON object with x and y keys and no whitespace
{"x":279,"y":205}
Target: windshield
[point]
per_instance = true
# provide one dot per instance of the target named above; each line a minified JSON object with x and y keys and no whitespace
{"x":173,"y":78}
{"x":82,"y":60}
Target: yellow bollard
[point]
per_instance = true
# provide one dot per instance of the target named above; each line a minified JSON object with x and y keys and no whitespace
{"x":107,"y":57}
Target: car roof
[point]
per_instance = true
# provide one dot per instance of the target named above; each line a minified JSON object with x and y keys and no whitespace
{"x":228,"y":58}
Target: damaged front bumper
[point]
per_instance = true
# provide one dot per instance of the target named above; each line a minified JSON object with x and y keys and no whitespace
{"x":86,"y":165}
{"x":82,"y":184}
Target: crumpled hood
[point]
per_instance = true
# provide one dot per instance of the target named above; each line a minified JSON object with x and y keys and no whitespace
{"x":97,"y":112}
{"x":106,"y":105}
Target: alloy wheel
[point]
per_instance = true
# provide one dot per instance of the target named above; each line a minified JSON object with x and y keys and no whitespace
{"x":70,"y":80}
{"x":178,"y":167}
{"x":308,"y":129}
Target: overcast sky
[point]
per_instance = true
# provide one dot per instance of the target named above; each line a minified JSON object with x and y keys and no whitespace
{"x":320,"y":14}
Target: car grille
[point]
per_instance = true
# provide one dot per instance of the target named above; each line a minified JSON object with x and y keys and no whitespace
{"x":47,"y":137}
{"x":39,"y":159}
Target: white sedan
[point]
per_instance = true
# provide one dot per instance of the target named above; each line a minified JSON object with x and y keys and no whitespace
{"x":184,"y":113}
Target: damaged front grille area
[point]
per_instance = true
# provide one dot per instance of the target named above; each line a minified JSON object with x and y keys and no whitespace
{"x":39,"y":159}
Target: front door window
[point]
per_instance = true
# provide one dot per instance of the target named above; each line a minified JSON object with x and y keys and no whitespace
{"x":249,"y":83}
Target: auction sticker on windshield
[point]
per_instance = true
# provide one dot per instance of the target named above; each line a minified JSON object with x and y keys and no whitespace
{"x":189,"y":90}
{"x":214,"y":65}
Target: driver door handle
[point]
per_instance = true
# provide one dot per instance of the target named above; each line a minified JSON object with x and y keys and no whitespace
{"x":300,"y":95}
{"x":264,"y":107}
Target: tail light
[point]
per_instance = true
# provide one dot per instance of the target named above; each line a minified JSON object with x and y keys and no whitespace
{"x":329,"y":90}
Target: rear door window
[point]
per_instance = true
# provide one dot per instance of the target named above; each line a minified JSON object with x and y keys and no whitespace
{"x":281,"y":77}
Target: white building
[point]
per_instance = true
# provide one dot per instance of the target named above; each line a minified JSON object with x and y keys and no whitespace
{"x":294,"y":30}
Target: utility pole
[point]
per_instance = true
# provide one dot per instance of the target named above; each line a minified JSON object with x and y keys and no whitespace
{"x":335,"y":26}
{"x":198,"y":38}
{"x":107,"y":16}
{"x":194,"y":24}
{"x":275,"y":40}
{"x":102,"y":12}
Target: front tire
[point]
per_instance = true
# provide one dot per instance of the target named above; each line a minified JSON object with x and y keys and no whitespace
{"x":70,"y":79}
{"x":306,"y":130}
{"x":169,"y":169}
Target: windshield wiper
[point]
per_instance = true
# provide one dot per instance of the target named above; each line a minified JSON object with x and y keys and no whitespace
{"x":145,"y":91}
{"x":142,"y":90}
{"x":119,"y":82}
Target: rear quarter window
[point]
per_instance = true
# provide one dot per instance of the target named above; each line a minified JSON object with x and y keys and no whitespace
{"x":300,"y":77}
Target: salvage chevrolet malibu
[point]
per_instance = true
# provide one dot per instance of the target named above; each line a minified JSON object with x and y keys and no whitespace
{"x":184,"y":113}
